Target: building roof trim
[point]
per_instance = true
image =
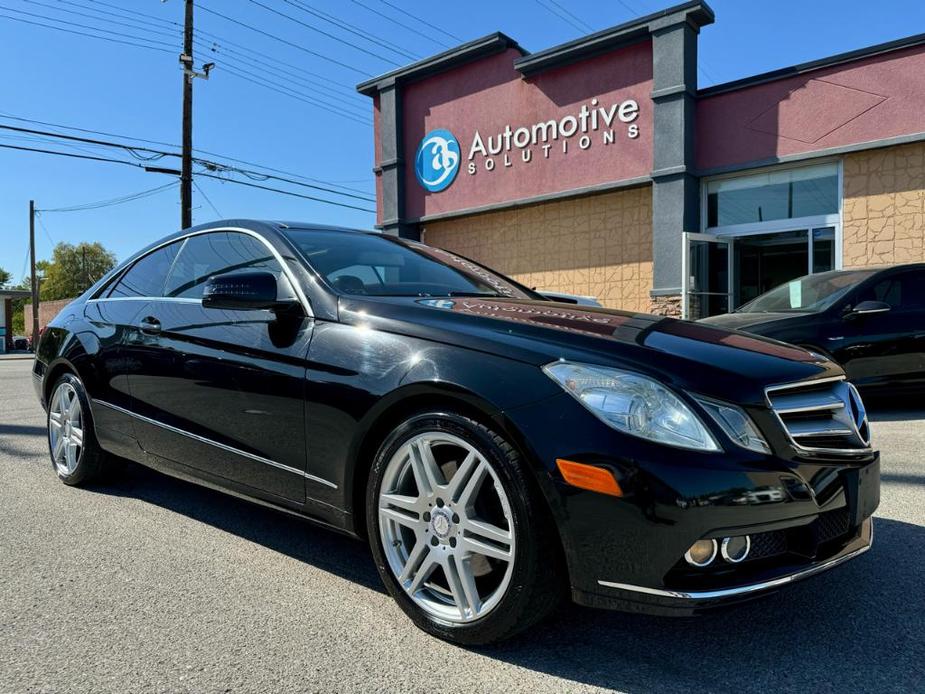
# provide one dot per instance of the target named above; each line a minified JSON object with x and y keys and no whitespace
{"x":793,"y":70}
{"x":696,"y":12}
{"x":11,"y":293}
{"x":460,"y":55}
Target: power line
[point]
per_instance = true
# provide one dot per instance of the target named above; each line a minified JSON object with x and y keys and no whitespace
{"x":339,"y":106}
{"x":298,"y":96}
{"x":143,"y":23}
{"x":422,"y":21}
{"x":207,"y":175}
{"x":285,"y":192}
{"x":557,"y":10}
{"x":351,"y":28}
{"x":394,"y":21}
{"x":80,"y":33}
{"x":135,"y":12}
{"x":109,"y":202}
{"x":284,"y":41}
{"x":324,"y":33}
{"x":220,"y":43}
{"x":168,"y":144}
{"x":210,"y":165}
{"x":551,"y":10}
{"x":44,"y":228}
{"x":158,"y":31}
{"x":206,"y":198}
{"x":287,"y":91}
{"x":84,"y":26}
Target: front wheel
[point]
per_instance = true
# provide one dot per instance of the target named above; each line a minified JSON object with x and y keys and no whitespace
{"x":460,"y":537}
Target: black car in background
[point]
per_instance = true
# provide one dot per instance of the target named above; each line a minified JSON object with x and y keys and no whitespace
{"x":870,"y":321}
{"x":500,"y":451}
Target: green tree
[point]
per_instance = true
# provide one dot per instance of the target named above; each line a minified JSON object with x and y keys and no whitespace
{"x":5,"y":277}
{"x":73,"y":269}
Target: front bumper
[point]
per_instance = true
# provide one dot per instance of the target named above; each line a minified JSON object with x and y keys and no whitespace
{"x":627,"y":552}
{"x":632,"y":598}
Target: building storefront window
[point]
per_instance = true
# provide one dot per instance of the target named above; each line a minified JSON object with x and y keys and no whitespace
{"x":761,"y":230}
{"x":792,"y":193}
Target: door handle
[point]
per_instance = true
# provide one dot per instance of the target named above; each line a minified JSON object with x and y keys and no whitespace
{"x":150,"y":325}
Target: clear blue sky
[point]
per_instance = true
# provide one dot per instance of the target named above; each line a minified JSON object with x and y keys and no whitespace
{"x":72,"y":80}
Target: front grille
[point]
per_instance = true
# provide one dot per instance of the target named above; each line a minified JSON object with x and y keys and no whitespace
{"x":825,"y":416}
{"x":832,"y":525}
{"x":768,"y":544}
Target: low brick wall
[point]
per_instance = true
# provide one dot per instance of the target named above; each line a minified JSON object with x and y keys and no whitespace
{"x":47,"y":311}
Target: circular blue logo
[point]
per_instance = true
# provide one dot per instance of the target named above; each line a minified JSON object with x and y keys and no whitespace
{"x":436,"y":162}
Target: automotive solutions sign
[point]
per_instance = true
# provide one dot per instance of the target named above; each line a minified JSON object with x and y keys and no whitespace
{"x":438,"y":156}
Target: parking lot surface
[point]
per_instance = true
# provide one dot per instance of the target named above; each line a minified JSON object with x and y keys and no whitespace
{"x":149,"y":584}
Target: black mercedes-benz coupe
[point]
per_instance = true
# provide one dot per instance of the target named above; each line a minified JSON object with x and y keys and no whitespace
{"x":499,"y":451}
{"x":870,"y":321}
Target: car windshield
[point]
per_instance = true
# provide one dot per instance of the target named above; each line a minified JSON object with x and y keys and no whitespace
{"x":378,"y":265}
{"x":811,"y":293}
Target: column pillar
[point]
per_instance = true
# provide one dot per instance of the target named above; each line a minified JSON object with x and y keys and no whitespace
{"x":391,"y":166}
{"x":675,"y":188}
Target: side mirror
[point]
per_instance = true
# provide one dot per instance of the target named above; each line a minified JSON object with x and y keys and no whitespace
{"x":867,"y":308}
{"x":244,"y":291}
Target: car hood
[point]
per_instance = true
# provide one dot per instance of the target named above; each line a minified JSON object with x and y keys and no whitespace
{"x":749,"y":321}
{"x":697,"y":357}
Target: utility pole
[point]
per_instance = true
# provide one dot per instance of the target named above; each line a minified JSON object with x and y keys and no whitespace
{"x":35,"y":280}
{"x":186,"y":171}
{"x":189,"y":74}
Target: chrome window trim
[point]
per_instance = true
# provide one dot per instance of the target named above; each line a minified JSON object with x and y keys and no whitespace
{"x":751,"y":587}
{"x":841,"y":452}
{"x":171,"y":299}
{"x":296,"y":287}
{"x":225,"y":447}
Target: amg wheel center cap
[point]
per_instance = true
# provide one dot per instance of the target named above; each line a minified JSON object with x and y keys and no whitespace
{"x":441,"y":523}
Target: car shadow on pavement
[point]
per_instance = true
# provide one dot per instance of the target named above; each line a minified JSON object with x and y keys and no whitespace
{"x":858,"y":627}
{"x":276,"y":530}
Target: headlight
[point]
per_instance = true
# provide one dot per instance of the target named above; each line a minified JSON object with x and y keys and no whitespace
{"x":737,"y":425}
{"x":633,"y":404}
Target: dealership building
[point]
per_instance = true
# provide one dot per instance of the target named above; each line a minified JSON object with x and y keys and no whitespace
{"x":598,"y":167}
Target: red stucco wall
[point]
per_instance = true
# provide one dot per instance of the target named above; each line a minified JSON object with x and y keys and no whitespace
{"x":490,"y":93}
{"x":870,"y":99}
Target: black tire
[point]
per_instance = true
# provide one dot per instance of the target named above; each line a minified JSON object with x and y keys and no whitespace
{"x":92,"y":461}
{"x":536,"y":584}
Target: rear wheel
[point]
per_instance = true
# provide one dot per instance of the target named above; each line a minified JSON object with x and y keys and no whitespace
{"x":75,"y":453}
{"x":460,"y":539}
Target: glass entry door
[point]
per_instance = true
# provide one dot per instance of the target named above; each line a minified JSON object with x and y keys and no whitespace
{"x":706,"y":276}
{"x":764,"y":261}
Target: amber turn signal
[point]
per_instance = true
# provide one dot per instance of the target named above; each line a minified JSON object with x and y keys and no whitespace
{"x":597,"y":479}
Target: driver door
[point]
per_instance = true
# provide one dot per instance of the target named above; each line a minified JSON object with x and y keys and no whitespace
{"x":223,"y":391}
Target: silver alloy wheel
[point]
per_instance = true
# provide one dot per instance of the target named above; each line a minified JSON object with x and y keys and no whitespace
{"x":65,"y":429}
{"x":443,"y":529}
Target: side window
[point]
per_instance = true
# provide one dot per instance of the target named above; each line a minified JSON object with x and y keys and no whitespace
{"x":146,"y":277}
{"x":367,"y":274}
{"x":905,"y":291}
{"x":913,"y":290}
{"x":216,"y":253}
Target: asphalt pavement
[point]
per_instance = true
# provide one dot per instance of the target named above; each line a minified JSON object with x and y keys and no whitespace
{"x":149,"y":584}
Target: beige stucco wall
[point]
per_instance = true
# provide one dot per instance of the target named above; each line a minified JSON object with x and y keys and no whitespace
{"x":599,"y":245}
{"x":884,"y":206}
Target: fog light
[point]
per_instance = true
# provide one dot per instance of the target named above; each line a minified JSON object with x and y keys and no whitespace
{"x":701,"y":553}
{"x":735,"y":549}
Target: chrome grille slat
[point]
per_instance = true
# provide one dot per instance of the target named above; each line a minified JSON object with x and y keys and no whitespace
{"x":824,"y":416}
